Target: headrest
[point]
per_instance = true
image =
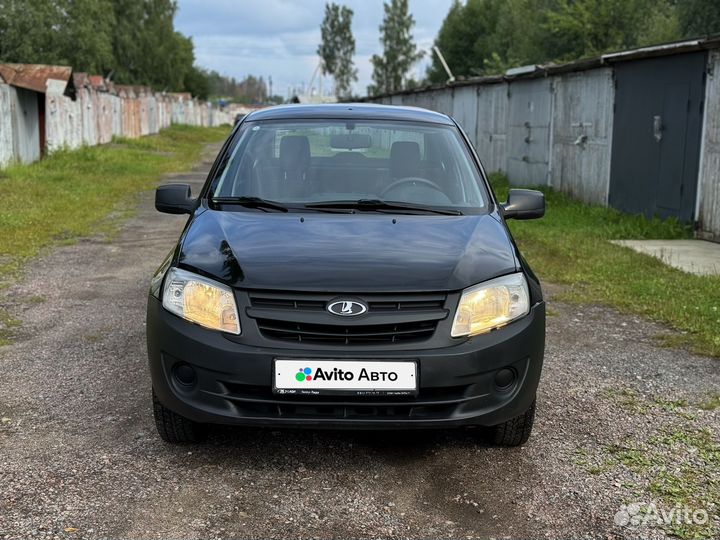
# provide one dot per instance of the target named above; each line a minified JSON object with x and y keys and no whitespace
{"x":404,"y":159}
{"x":294,"y":152}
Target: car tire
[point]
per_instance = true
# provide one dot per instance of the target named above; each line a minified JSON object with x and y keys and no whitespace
{"x":174,"y":428}
{"x":516,"y":431}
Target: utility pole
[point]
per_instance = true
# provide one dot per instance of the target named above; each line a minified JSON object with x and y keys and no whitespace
{"x":270,"y":94}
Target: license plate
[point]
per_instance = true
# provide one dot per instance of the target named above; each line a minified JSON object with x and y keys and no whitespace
{"x":356,"y":377}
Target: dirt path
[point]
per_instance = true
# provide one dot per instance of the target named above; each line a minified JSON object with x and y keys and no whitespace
{"x":619,"y":418}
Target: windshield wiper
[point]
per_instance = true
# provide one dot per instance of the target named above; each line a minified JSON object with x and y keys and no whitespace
{"x":264,"y":204}
{"x":251,"y":202}
{"x":378,"y":205}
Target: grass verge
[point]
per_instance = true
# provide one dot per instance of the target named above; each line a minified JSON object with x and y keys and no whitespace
{"x":76,"y":193}
{"x":571,"y":246}
{"x":71,"y":193}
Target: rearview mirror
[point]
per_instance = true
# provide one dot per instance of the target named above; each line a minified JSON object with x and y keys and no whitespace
{"x":524,"y":204}
{"x":351,"y":141}
{"x":175,"y":199}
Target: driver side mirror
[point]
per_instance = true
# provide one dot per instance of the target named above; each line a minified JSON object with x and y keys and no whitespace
{"x":175,"y":199}
{"x":524,"y":204}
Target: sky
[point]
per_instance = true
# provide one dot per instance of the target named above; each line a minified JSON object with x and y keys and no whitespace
{"x":279,"y":38}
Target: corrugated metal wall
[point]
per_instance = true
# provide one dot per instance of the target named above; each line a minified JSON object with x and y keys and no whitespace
{"x":708,"y":206}
{"x":93,"y":118}
{"x":19,"y":125}
{"x":26,"y":127}
{"x":529,"y":113}
{"x":6,"y":129}
{"x":582,"y":134}
{"x":491,"y":126}
{"x":464,"y":110}
{"x":557,"y":130}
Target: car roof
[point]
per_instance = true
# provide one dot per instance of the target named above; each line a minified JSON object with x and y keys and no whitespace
{"x":348,"y":111}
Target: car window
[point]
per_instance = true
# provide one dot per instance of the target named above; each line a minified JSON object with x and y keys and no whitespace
{"x":317,"y":161}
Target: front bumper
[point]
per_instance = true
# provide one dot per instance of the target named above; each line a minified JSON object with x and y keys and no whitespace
{"x":234,"y":381}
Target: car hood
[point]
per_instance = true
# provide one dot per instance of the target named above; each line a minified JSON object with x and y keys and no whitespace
{"x":346,"y":253}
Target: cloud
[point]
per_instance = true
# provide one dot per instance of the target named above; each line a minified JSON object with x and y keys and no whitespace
{"x":279,"y":38}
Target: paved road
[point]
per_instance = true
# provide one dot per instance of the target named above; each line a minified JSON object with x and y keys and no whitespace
{"x":78,"y":450}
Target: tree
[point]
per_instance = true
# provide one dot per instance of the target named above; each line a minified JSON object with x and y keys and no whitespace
{"x":197,"y":83}
{"x":399,"y":50}
{"x":699,"y":17}
{"x":485,"y":37}
{"x":70,"y":32}
{"x":337,"y":47}
{"x":148,"y":49}
{"x":86,"y":40}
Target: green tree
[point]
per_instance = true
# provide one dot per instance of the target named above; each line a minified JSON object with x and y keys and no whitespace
{"x":699,"y":17}
{"x":337,"y":47}
{"x":148,"y":49}
{"x":86,"y":41}
{"x":71,"y":32}
{"x":26,"y":31}
{"x":399,"y":50}
{"x":580,"y":28}
{"x":197,"y":83}
{"x":484,"y":37}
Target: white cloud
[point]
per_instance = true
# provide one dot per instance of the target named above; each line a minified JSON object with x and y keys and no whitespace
{"x":278,"y":38}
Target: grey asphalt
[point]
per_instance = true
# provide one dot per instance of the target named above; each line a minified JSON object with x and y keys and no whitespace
{"x":79,"y":456}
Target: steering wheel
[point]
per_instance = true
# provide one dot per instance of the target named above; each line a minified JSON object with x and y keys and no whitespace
{"x":412,"y":180}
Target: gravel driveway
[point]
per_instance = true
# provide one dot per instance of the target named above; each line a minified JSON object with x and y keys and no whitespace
{"x":620,"y":419}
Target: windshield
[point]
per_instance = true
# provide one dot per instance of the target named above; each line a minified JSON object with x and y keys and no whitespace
{"x":324,"y":161}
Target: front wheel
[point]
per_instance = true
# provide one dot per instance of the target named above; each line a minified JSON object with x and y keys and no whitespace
{"x":516,"y":431}
{"x":174,"y":428}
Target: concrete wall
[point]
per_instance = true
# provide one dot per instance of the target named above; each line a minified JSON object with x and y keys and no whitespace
{"x":708,"y":205}
{"x":95,"y":117}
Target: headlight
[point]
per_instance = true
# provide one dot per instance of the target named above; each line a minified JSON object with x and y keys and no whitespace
{"x":491,"y":304}
{"x":200,"y":300}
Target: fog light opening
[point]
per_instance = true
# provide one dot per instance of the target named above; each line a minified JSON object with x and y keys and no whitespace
{"x":184,"y":374}
{"x":505,"y":379}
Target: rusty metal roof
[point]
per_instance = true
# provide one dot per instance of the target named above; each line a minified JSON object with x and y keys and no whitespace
{"x":97,"y":82}
{"x":35,"y":76}
{"x":80,"y":79}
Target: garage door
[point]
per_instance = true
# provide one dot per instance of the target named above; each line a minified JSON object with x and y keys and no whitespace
{"x":656,"y":135}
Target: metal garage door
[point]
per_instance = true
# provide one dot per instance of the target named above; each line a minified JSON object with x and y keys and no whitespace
{"x":656,"y":135}
{"x":529,"y":132}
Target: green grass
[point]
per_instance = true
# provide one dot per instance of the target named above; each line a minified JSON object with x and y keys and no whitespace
{"x":571,"y":246}
{"x":676,"y":466}
{"x":79,"y":192}
{"x":712,"y":403}
{"x":76,"y":193}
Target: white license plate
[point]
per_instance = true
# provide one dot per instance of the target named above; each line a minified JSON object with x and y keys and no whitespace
{"x":358,"y":377}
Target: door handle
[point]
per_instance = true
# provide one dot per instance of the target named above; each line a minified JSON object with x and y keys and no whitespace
{"x":657,"y":128}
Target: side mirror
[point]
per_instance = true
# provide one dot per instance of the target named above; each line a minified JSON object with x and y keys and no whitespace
{"x":524,"y":204}
{"x":175,"y":199}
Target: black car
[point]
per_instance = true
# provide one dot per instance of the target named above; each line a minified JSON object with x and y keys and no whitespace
{"x":346,"y":266}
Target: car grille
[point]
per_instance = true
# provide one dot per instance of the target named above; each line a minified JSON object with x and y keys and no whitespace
{"x":250,"y":400}
{"x":303,"y":318}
